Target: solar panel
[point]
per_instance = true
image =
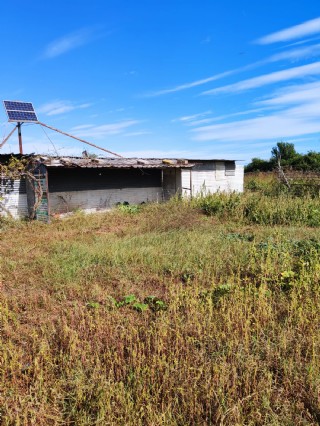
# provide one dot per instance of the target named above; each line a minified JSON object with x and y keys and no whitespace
{"x":20,"y":111}
{"x":21,"y":116}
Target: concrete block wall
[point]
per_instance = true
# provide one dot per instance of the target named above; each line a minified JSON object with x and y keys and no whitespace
{"x":13,"y":203}
{"x":95,"y":200}
{"x":237,"y":181}
{"x":210,"y":178}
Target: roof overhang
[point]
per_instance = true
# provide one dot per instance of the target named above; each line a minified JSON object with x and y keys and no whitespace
{"x":113,"y":163}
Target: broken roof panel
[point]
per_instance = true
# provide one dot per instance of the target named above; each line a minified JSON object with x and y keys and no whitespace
{"x":117,"y":163}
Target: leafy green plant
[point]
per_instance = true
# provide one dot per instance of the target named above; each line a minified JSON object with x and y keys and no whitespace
{"x":140,"y":307}
{"x":129,"y":208}
{"x":155,"y":304}
{"x":127,"y":300}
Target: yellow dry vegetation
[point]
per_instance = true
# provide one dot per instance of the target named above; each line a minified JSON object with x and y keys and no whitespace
{"x":185,"y":313}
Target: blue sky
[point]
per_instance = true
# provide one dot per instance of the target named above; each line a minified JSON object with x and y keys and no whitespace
{"x":205,"y":79}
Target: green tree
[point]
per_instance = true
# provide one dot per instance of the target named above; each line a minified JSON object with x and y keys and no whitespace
{"x":284,"y":151}
{"x":308,"y":162}
{"x":258,"y":165}
{"x":288,"y":156}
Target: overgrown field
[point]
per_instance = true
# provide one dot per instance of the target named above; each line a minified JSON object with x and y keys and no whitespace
{"x":186,"y":313}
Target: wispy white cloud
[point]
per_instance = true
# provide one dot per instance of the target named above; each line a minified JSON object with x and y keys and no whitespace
{"x":70,"y":42}
{"x":298,"y":31}
{"x":297,"y":43}
{"x":266,"y":79}
{"x":226,"y":116}
{"x":191,"y":117}
{"x":295,"y":94}
{"x":297,"y":115}
{"x":104,"y":130}
{"x":291,"y":54}
{"x":192,"y":84}
{"x":294,"y":54}
{"x":82,"y":127}
{"x":272,"y":127}
{"x":138,"y":133}
{"x":60,"y":107}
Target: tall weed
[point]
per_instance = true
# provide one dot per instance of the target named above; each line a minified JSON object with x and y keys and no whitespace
{"x":261,"y":209}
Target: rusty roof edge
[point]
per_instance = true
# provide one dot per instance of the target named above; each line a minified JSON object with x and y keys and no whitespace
{"x":45,"y":156}
{"x":113,"y":162}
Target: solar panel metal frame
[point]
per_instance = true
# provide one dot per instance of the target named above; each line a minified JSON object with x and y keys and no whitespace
{"x":18,"y":111}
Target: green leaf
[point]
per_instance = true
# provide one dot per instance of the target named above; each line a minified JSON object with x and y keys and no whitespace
{"x":93,"y":305}
{"x":129,"y":299}
{"x":140,"y":307}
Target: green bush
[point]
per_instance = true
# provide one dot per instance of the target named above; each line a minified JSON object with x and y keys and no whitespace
{"x":284,"y":209}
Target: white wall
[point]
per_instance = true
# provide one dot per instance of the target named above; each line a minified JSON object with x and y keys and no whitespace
{"x":237,"y":181}
{"x":94,"y":200}
{"x":210,"y":177}
{"x":12,"y":203}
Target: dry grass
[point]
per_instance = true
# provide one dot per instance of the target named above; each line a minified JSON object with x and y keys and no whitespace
{"x":231,"y":337}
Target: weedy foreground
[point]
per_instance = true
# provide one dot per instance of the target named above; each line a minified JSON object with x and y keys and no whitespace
{"x":200,"y":312}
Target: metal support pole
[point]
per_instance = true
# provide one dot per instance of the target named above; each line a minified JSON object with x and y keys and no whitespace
{"x":20,"y":138}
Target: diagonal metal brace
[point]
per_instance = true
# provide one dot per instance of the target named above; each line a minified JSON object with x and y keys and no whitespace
{"x":8,"y":137}
{"x":78,"y":139}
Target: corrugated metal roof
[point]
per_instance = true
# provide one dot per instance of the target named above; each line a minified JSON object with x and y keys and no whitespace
{"x":107,"y":162}
{"x":117,"y":163}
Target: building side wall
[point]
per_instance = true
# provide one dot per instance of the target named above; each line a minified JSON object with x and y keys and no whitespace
{"x":211,"y":177}
{"x":95,"y":200}
{"x":13,"y":198}
{"x":237,"y":181}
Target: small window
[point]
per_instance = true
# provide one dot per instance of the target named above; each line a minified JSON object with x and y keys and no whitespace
{"x":8,"y":185}
{"x":230,"y":168}
{"x":220,"y":170}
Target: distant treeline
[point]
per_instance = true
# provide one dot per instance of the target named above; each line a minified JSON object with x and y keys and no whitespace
{"x":289,"y":158}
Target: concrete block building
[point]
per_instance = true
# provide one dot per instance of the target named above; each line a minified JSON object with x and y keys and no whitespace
{"x":93,"y":184}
